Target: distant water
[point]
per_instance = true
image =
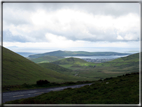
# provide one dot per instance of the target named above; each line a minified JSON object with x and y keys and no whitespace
{"x":26,"y":54}
{"x":97,"y":57}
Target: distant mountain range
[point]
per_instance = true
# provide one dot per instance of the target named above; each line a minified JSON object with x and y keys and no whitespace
{"x":76,"y":53}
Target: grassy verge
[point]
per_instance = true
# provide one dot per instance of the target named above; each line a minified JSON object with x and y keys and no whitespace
{"x":117,"y":90}
{"x":35,"y":86}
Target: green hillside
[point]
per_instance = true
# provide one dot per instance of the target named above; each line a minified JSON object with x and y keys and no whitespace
{"x":119,"y":90}
{"x":18,"y":70}
{"x":73,"y":63}
{"x":76,"y":53}
{"x":69,"y":61}
{"x":46,"y":58}
{"x":130,"y":62}
{"x":56,"y":68}
{"x":112,"y":68}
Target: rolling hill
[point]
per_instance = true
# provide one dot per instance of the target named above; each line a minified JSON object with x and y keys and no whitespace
{"x":130,"y":62}
{"x":123,"y":62}
{"x":56,"y":68}
{"x":69,"y":61}
{"x":112,"y":68}
{"x":73,"y":63}
{"x":17,"y":70}
{"x":57,"y":65}
{"x":46,"y":58}
{"x":76,"y":53}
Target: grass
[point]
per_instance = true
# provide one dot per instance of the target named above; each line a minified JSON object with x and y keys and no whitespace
{"x":46,"y":58}
{"x":35,"y":86}
{"x":55,"y":67}
{"x":17,"y":70}
{"x":90,"y":70}
{"x":117,"y":90}
{"x":69,"y":61}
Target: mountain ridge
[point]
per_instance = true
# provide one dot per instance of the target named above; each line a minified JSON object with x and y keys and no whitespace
{"x":76,"y":53}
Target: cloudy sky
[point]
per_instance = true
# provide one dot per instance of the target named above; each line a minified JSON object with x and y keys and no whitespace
{"x":44,"y":27}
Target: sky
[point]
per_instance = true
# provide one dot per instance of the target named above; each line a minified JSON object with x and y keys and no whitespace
{"x":45,"y":27}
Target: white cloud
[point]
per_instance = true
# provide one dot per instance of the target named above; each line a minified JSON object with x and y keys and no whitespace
{"x":130,"y":36}
{"x":127,"y":23}
{"x":119,"y":37}
{"x":78,"y":25}
{"x":70,"y":44}
{"x":59,"y":41}
{"x":54,"y":38}
{"x":70,"y":25}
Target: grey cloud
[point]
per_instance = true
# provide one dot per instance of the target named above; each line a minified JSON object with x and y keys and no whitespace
{"x":115,"y":9}
{"x":25,"y":9}
{"x":112,"y":9}
{"x":36,"y":36}
{"x":109,"y":35}
{"x":8,"y":37}
{"x":14,"y":16}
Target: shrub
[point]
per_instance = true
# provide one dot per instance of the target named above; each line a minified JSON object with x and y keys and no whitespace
{"x":42,"y":82}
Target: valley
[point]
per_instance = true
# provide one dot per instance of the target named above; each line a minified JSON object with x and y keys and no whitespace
{"x":91,"y":70}
{"x":19,"y":70}
{"x":22,"y":73}
{"x":71,"y":52}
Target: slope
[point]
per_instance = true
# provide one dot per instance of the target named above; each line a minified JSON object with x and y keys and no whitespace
{"x":46,"y":58}
{"x":18,"y":70}
{"x":56,"y":68}
{"x":120,"y":90}
{"x":112,"y":68}
{"x":70,"y":60}
{"x":131,"y":62}
{"x":73,"y":63}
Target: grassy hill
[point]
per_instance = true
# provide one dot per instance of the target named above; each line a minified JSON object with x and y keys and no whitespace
{"x":63,"y":69}
{"x":69,"y":61}
{"x":130,"y":62}
{"x":76,"y":53}
{"x":56,"y":68}
{"x":18,"y":70}
{"x":119,"y":90}
{"x":115,"y":67}
{"x":46,"y":58}
{"x":73,"y":63}
{"x":112,"y":68}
